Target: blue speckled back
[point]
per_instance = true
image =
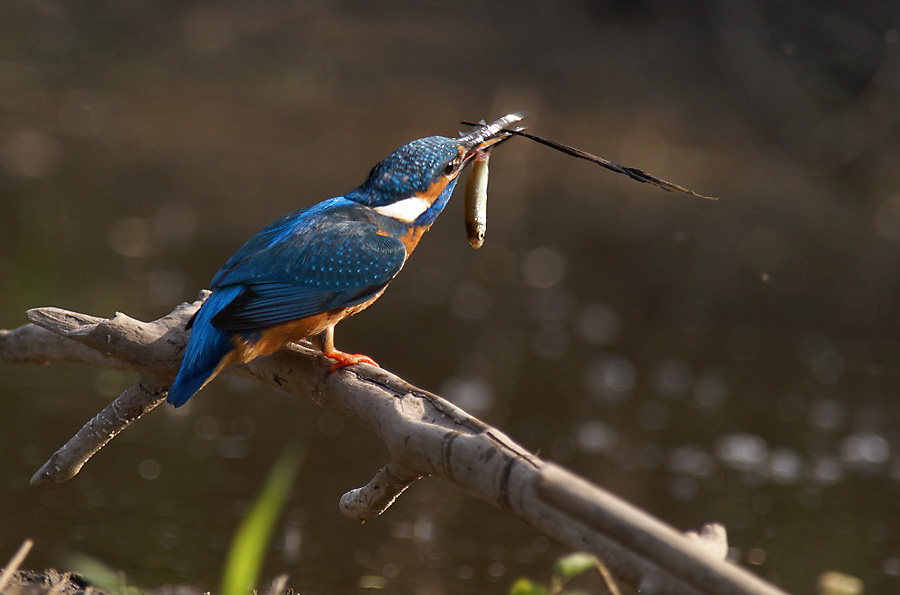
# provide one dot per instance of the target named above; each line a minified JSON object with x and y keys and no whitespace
{"x":409,"y":169}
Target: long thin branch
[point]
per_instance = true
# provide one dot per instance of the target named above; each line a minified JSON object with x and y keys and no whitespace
{"x":142,"y":396}
{"x":425,"y":435}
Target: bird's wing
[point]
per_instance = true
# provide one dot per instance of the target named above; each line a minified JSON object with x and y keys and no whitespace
{"x":299,"y":267}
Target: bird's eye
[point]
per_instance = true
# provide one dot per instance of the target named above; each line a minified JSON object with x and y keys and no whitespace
{"x":451,"y":167}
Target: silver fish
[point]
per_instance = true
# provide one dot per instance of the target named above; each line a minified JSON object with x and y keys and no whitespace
{"x":476,"y":200}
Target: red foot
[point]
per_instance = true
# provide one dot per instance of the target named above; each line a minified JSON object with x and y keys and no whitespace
{"x":342,"y":360}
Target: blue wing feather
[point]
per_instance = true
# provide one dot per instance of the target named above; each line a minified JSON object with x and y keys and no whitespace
{"x":205,"y":349}
{"x":302,"y":265}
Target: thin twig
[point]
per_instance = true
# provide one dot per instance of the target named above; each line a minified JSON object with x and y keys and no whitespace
{"x":634,"y":173}
{"x":608,"y":578}
{"x":144,"y":395}
{"x":14,"y":563}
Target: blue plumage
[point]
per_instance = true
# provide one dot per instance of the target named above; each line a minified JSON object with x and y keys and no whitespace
{"x":407,"y":170}
{"x":309,"y":261}
{"x":205,"y":349}
{"x":302,"y":274}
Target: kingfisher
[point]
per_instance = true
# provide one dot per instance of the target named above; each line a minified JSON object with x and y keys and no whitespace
{"x":305,"y":272}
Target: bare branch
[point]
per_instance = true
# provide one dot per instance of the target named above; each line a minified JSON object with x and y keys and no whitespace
{"x":31,"y":344}
{"x":142,"y":396}
{"x":151,"y":347}
{"x":377,"y":496}
{"x":678,"y":555}
{"x":425,"y":435}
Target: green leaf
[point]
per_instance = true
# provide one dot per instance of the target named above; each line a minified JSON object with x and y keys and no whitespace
{"x":570,"y":566}
{"x":525,"y":586}
{"x":248,"y":546}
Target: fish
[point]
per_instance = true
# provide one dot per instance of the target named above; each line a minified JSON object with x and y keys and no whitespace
{"x":476,"y":200}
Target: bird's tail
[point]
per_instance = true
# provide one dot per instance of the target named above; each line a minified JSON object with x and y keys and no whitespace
{"x":206,"y":348}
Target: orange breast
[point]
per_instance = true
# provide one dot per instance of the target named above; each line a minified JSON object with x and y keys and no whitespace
{"x":411,"y":238}
{"x":275,"y":337}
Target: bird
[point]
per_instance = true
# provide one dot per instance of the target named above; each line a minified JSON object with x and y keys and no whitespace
{"x":305,"y":272}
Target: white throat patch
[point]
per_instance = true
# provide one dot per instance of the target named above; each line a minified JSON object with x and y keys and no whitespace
{"x":406,"y":210}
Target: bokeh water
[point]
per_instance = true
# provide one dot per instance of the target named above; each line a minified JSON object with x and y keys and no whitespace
{"x":731,"y":361}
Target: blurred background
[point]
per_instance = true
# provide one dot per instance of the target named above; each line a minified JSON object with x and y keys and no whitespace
{"x":731,"y":361}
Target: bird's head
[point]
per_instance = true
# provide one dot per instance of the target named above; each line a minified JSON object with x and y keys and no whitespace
{"x":414,"y":183}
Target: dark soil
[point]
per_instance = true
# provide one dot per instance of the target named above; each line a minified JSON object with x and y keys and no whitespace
{"x":27,"y":582}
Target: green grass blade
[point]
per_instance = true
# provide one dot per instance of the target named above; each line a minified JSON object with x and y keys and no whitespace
{"x":250,"y":541}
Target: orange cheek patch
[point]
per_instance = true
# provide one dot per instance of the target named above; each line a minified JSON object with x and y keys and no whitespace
{"x":435,"y":190}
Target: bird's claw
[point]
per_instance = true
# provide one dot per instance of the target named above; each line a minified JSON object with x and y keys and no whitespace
{"x":342,"y":360}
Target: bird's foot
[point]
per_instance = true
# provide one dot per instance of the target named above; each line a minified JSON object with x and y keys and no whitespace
{"x":342,"y":360}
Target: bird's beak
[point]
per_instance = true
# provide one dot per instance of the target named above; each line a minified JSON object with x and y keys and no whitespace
{"x":486,"y":136}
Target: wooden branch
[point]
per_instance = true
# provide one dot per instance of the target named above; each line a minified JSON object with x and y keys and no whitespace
{"x":425,"y":435}
{"x":145,"y":394}
{"x":376,"y":496}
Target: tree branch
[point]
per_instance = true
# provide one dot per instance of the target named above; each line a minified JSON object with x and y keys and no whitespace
{"x":377,"y":496}
{"x":425,"y":435}
{"x":142,"y":396}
